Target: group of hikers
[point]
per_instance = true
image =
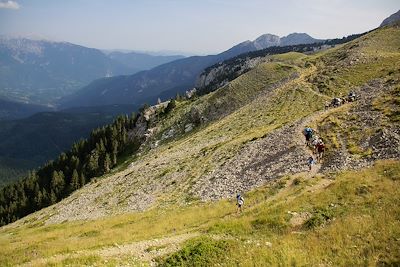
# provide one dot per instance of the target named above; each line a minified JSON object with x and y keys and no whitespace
{"x":338,"y":101}
{"x":316,"y":144}
{"x":313,"y":141}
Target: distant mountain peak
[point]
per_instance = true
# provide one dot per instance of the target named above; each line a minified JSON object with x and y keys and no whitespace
{"x":392,"y":19}
{"x":298,"y":38}
{"x":266,"y":40}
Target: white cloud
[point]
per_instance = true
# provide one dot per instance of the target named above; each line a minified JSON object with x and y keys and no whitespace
{"x":9,"y":5}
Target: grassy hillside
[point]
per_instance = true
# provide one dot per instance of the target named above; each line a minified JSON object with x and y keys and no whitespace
{"x":348,"y":219}
{"x":246,"y":137}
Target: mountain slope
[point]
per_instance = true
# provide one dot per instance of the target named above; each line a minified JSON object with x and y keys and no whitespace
{"x":201,"y":149}
{"x":298,"y":38}
{"x":174,"y":77}
{"x":141,"y":61}
{"x":392,"y":19}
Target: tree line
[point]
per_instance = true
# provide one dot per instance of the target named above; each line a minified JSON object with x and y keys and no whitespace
{"x":57,"y":179}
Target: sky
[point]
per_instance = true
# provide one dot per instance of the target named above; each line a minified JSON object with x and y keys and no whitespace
{"x":192,"y":26}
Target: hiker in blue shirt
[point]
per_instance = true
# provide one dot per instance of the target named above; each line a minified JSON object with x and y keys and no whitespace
{"x":310,"y":162}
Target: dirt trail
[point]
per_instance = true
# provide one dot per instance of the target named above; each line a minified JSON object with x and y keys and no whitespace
{"x":144,"y":251}
{"x":147,"y":250}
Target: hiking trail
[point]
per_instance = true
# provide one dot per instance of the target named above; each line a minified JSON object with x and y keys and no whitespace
{"x":144,"y":251}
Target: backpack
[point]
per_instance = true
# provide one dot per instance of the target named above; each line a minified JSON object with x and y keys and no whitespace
{"x":240,"y":200}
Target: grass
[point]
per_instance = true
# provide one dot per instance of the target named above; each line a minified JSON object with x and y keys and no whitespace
{"x":354,"y":222}
{"x":343,"y":68}
{"x":346,"y":228}
{"x":356,"y":217}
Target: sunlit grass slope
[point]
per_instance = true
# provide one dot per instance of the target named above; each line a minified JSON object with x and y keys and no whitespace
{"x":352,"y":219}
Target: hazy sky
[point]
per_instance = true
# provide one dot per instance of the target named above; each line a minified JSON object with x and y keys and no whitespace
{"x":203,"y":26}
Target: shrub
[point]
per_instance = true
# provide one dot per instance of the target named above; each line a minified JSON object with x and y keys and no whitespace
{"x":318,"y":218}
{"x":199,"y":252}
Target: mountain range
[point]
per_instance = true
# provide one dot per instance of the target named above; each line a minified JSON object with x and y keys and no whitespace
{"x":168,"y":79}
{"x":41,"y":71}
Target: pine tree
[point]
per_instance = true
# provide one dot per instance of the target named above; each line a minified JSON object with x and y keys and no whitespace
{"x":107,"y":163}
{"x":82,"y":180}
{"x":53,"y":198}
{"x":74,"y":181}
{"x":171,"y":105}
{"x":38,"y":199}
{"x":57,"y":182}
{"x":93,"y":163}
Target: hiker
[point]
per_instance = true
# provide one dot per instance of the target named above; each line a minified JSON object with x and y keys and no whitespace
{"x":351,"y":97}
{"x":310,"y":162}
{"x":320,"y":149}
{"x":308,"y":133}
{"x":327,"y":105}
{"x":336,"y":102}
{"x":239,"y":203}
{"x":314,"y":143}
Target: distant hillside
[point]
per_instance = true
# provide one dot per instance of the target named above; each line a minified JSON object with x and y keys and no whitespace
{"x":174,"y":77}
{"x":30,"y":142}
{"x":392,"y":19}
{"x":10,"y":110}
{"x":141,"y":61}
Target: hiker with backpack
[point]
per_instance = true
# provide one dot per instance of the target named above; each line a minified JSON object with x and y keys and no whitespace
{"x":308,"y":133}
{"x":310,"y":162}
{"x":336,"y":102}
{"x":239,"y":203}
{"x":351,"y":97}
{"x":314,"y":143}
{"x":320,"y":149}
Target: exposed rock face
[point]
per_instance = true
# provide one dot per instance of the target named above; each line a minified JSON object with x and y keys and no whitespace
{"x":266,"y":40}
{"x":213,"y":77}
{"x":392,"y":19}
